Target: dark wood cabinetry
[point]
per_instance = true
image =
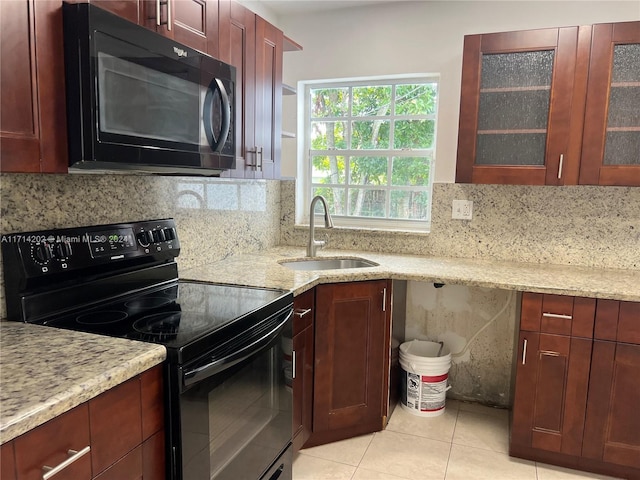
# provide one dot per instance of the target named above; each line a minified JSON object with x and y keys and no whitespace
{"x":611,"y":142}
{"x":576,"y":384}
{"x":191,"y":22}
{"x":255,"y":48}
{"x":116,"y":435}
{"x":352,"y":349}
{"x":32,"y":101}
{"x":522,"y":107}
{"x":303,"y":324}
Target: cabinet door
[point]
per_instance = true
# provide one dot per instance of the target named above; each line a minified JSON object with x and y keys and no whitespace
{"x":129,"y":9}
{"x":7,"y":462}
{"x":612,"y":429}
{"x":268,"y":123}
{"x":53,"y":443}
{"x":237,"y":33}
{"x":611,"y":145}
{"x":303,"y":311}
{"x":191,"y":22}
{"x":552,"y":376}
{"x":352,"y":347}
{"x":33,"y":134}
{"x":516,"y":120}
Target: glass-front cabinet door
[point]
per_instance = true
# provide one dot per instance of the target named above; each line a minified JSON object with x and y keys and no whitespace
{"x":516,"y":108}
{"x":611,"y":141}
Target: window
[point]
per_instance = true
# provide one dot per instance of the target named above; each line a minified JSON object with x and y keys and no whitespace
{"x":369,"y":150}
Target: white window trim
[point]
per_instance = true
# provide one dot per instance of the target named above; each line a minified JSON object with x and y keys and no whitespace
{"x":303,"y":178}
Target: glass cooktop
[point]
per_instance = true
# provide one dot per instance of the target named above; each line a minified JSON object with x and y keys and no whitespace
{"x":179,"y":316}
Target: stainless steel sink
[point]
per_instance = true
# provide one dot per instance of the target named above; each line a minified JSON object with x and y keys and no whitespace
{"x":328,"y":264}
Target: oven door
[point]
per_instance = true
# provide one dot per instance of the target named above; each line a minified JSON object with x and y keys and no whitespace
{"x":235,"y":409}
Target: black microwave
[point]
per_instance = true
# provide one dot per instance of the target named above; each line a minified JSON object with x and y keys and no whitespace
{"x":139,"y":101}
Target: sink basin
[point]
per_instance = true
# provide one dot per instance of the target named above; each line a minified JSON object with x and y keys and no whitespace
{"x":328,"y":263}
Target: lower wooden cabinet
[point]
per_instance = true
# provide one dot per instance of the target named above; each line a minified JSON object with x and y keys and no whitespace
{"x":577,"y":386}
{"x":105,"y":435}
{"x":352,"y":351}
{"x":303,"y":311}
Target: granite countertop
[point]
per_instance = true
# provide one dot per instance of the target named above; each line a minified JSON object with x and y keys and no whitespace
{"x":37,"y":382}
{"x":46,"y":371}
{"x":261,"y":269}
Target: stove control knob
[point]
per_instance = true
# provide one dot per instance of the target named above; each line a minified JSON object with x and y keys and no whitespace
{"x":170,"y":233}
{"x":42,"y":252}
{"x":159,"y":236}
{"x":144,"y":238}
{"x":62,"y":250}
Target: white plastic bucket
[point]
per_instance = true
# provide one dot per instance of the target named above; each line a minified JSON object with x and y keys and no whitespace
{"x":425,"y":377}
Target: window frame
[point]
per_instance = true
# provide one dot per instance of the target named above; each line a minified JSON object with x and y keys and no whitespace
{"x":304,"y":182}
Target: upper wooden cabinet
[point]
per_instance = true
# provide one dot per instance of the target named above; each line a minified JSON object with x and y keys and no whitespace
{"x":191,"y":22}
{"x":611,"y":142}
{"x":33,"y":134}
{"x":255,"y":48}
{"x":522,"y":107}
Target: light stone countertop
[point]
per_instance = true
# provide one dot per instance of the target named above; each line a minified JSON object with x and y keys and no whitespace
{"x":261,"y":269}
{"x":37,"y":383}
{"x":47,"y":371}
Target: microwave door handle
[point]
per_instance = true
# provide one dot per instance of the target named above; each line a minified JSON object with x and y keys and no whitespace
{"x":200,"y":373}
{"x":216,"y":145}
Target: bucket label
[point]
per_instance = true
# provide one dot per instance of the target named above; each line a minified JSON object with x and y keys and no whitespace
{"x":424,"y":393}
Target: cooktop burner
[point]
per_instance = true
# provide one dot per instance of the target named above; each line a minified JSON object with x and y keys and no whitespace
{"x":179,"y":317}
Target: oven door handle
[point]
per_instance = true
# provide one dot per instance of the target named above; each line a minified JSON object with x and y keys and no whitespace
{"x":219,"y":364}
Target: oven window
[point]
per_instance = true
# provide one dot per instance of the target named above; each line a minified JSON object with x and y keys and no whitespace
{"x":236,"y":423}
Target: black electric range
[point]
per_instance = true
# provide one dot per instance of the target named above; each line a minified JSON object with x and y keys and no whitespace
{"x":122,"y":280}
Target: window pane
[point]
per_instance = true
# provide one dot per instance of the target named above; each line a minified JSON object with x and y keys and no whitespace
{"x":367,"y":203}
{"x":409,"y":205}
{"x":414,"y":133}
{"x":335,"y":198}
{"x":329,"y":102}
{"x":327,"y":135}
{"x":371,"y":101}
{"x":327,"y":169}
{"x":370,"y":134}
{"x":411,"y":171}
{"x":368,"y":170}
{"x":416,"y":99}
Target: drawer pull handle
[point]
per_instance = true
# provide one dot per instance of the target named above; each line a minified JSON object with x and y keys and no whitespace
{"x":524,"y":352}
{"x":557,"y":315}
{"x":73,"y":456}
{"x":293,"y":365}
{"x":301,"y":312}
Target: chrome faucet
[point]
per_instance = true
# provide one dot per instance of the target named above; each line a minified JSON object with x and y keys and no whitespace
{"x":313,"y":244}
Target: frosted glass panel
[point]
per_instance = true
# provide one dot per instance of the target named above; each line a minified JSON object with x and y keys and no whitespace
{"x":520,"y":149}
{"x":514,"y":110}
{"x":622,"y":142}
{"x":622,"y":148}
{"x":521,"y":69}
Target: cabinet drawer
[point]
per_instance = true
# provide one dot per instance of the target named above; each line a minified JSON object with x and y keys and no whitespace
{"x":49,"y":445}
{"x":303,"y":311}
{"x":558,"y":314}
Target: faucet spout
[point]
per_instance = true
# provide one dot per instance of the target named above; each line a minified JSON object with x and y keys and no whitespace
{"x":314,"y":244}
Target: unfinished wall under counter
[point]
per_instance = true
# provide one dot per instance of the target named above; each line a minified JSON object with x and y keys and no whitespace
{"x":478,"y":326}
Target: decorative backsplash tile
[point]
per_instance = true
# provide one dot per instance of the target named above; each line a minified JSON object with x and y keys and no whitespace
{"x":576,"y":225}
{"x":215,"y":217}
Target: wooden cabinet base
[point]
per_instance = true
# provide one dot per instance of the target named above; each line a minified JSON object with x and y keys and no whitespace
{"x":575,"y":463}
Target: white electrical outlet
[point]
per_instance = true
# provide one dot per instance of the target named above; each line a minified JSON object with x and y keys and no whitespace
{"x":462,"y":210}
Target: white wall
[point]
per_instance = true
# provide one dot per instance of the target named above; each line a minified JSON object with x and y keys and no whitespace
{"x":417,"y":37}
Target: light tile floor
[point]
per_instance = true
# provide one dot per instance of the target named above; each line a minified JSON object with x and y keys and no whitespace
{"x":467,"y":442}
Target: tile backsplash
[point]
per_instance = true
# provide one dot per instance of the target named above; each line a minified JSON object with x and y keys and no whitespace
{"x":215,"y":217}
{"x":575,"y":225}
